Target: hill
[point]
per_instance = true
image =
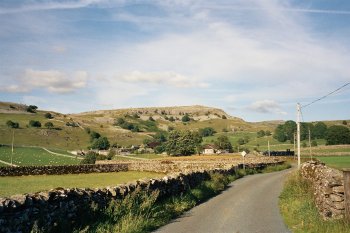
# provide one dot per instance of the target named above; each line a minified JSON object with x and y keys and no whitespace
{"x":70,"y":130}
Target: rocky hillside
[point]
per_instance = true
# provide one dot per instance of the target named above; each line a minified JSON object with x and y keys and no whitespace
{"x":70,"y":130}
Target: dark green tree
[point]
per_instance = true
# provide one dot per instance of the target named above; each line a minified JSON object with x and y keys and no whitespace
{"x":12,"y":124}
{"x":32,"y":108}
{"x":222,"y":142}
{"x":94,"y":135}
{"x":207,"y":131}
{"x":240,"y":141}
{"x":289,"y":128}
{"x":320,"y":130}
{"x":279,"y":134}
{"x":186,"y":118}
{"x":337,"y":134}
{"x":35,"y":124}
{"x":48,"y":115}
{"x":182,"y":142}
{"x":100,"y":143}
{"x":260,"y":134}
{"x":345,"y":122}
{"x":90,"y":158}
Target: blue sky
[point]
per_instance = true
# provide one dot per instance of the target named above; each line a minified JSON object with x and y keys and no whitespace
{"x":253,"y":58}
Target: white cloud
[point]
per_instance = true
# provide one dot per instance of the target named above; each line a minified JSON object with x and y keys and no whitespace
{"x":51,"y":80}
{"x":50,"y":5}
{"x":163,"y":78}
{"x":266,"y":106}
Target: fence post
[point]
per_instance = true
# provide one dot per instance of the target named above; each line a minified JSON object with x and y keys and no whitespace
{"x":347,"y":193}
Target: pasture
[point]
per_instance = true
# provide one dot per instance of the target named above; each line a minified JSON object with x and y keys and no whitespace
{"x":338,"y":162}
{"x":34,"y":156}
{"x":31,"y":184}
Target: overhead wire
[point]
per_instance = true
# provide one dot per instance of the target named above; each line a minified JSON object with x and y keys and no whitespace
{"x":325,"y":96}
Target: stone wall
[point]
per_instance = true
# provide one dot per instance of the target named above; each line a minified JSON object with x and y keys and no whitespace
{"x":328,"y":186}
{"x":47,"y":210}
{"x":64,"y":169}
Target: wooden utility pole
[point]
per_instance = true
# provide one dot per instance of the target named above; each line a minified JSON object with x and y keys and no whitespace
{"x":298,"y":133}
{"x":310,"y":152}
{"x":13,"y":139}
{"x":346,"y":173}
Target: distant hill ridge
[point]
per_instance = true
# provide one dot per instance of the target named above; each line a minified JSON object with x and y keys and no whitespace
{"x":198,"y":112}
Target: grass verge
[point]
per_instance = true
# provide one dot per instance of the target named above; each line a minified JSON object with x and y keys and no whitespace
{"x":142,"y":212}
{"x":299,"y":210}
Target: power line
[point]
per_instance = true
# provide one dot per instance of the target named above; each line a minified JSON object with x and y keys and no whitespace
{"x":325,"y":96}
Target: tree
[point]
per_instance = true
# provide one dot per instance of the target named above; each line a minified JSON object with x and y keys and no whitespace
{"x":268,"y":133}
{"x":90,"y":158}
{"x":48,"y":115}
{"x":240,"y":141}
{"x":289,"y":128}
{"x":32,"y":108}
{"x":171,"y":118}
{"x":224,"y":117}
{"x":337,"y":134}
{"x":186,"y":118}
{"x":12,"y":124}
{"x":279,"y":134}
{"x":182,"y":142}
{"x":320,"y":130}
{"x":345,"y":122}
{"x":100,"y":143}
{"x":260,"y":134}
{"x":207,"y":131}
{"x":150,"y":118}
{"x":222,"y":142}
{"x":49,"y":125}
{"x":94,"y":135}
{"x":314,"y":143}
{"x":35,"y":124}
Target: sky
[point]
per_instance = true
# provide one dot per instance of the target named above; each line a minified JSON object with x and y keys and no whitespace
{"x":255,"y":59}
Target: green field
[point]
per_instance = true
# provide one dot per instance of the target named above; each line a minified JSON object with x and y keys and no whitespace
{"x":26,"y":156}
{"x":31,"y":184}
{"x":338,"y":162}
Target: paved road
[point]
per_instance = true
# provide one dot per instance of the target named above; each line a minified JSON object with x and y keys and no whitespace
{"x":249,"y":205}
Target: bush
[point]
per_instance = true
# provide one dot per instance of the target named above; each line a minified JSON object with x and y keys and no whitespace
{"x":32,"y":108}
{"x":90,"y":158}
{"x":111,"y":154}
{"x":224,"y":117}
{"x":186,"y":118}
{"x":314,"y":143}
{"x":100,"y":143}
{"x":11,"y":124}
{"x":49,"y":125}
{"x":35,"y":124}
{"x":48,"y":115}
{"x":337,"y":134}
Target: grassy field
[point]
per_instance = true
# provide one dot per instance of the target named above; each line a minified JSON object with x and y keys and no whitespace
{"x":34,"y":156}
{"x":31,"y":184}
{"x":338,"y":162}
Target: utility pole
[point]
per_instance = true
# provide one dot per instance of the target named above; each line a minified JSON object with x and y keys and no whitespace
{"x":13,"y":139}
{"x":298,"y":133}
{"x":294,"y":138}
{"x":310,"y":143}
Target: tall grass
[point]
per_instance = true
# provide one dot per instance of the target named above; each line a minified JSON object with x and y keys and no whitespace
{"x":300,"y":212}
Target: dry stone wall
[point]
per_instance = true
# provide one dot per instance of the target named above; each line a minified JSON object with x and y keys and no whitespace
{"x":47,"y":210}
{"x":59,"y":170}
{"x":328,"y":186}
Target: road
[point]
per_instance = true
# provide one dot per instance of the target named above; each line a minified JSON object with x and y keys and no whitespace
{"x":249,"y":205}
